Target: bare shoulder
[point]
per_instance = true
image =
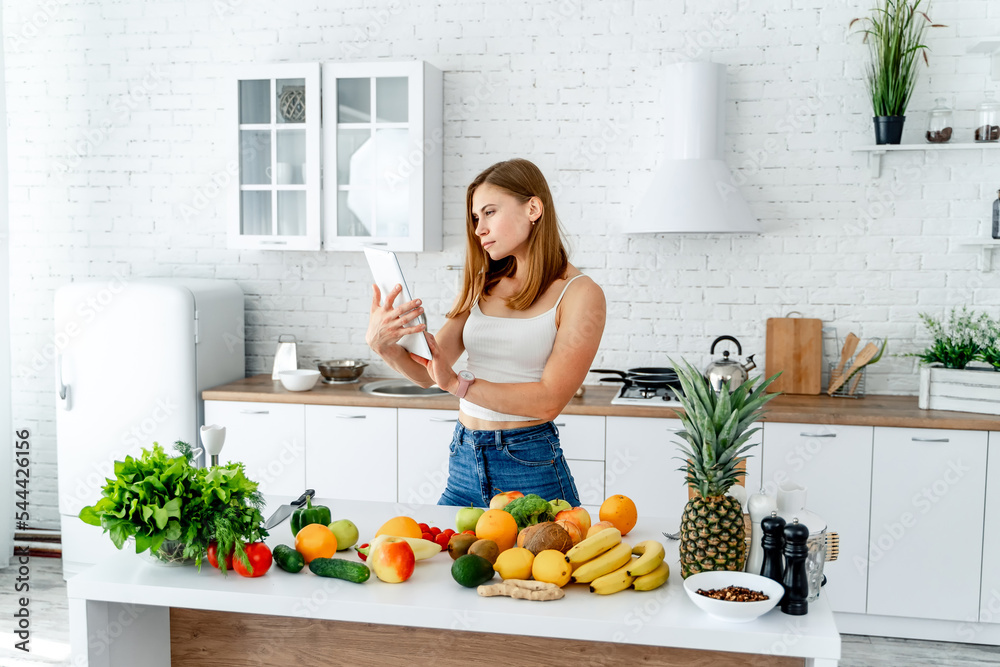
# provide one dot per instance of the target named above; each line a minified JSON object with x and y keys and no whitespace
{"x":584,"y":291}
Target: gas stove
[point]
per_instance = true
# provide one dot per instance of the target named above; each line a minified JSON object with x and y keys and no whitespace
{"x":660,"y":397}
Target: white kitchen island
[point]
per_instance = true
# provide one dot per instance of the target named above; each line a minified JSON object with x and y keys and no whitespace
{"x":121,"y":611}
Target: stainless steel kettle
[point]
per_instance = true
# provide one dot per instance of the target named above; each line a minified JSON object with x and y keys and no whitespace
{"x":726,"y":369}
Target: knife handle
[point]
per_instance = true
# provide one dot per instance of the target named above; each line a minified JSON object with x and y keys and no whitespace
{"x":301,"y":500}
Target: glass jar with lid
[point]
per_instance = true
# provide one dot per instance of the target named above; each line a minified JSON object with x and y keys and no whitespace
{"x":939,"y":122}
{"x":988,"y":119}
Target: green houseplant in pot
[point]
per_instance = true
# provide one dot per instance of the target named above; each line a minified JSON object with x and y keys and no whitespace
{"x":175,"y":511}
{"x":716,"y":430}
{"x":948,"y":378}
{"x":894,"y":33}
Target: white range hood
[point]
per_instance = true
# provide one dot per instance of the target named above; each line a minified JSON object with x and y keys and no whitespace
{"x":693,"y":190}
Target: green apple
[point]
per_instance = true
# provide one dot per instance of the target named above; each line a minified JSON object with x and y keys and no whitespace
{"x":558,"y":505}
{"x":467,"y":518}
{"x":346,"y":533}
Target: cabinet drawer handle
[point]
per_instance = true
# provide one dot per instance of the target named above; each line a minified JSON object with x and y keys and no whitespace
{"x":818,"y":435}
{"x":563,"y":424}
{"x":673,"y":430}
{"x":352,"y":416}
{"x":255,"y":412}
{"x":442,"y":420}
{"x":930,"y":439}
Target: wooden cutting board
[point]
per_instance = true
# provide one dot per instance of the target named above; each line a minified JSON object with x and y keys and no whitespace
{"x":795,"y":347}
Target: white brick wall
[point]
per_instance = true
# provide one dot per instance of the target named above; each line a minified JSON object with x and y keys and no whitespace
{"x":117,"y":122}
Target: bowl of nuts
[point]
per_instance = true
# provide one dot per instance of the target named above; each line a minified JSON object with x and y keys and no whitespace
{"x":737,"y":597}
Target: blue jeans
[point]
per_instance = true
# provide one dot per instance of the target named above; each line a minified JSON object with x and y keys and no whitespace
{"x":485,"y":463}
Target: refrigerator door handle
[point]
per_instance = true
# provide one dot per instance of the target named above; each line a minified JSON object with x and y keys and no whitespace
{"x":64,"y":390}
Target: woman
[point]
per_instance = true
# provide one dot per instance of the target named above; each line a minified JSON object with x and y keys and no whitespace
{"x":531,"y":323}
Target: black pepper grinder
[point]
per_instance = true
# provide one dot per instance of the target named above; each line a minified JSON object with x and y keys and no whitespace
{"x":796,"y":580}
{"x":996,"y":216}
{"x":771,"y":543}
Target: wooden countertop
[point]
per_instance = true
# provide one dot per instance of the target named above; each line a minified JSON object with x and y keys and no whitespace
{"x":873,"y":410}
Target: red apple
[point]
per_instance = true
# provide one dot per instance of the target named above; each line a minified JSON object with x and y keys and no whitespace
{"x":578,"y":515}
{"x":392,"y":561}
{"x":500,"y":500}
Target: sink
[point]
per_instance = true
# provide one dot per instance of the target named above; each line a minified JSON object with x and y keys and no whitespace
{"x":401,"y":389}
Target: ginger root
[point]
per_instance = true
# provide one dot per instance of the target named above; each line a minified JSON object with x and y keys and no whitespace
{"x":523,"y":589}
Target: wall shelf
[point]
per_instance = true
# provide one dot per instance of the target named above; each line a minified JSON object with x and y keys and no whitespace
{"x":875,"y":152}
{"x":990,"y":47}
{"x":986,"y":246}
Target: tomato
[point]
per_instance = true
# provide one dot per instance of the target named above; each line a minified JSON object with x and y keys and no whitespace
{"x":448,"y":531}
{"x":427,"y":536}
{"x":424,"y":528}
{"x":468,"y":532}
{"x":442,"y":541}
{"x":213,"y":556}
{"x":435,"y":531}
{"x":260,"y":559}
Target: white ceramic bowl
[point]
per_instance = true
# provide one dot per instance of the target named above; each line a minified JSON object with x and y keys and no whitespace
{"x":734,"y":612}
{"x":300,"y":380}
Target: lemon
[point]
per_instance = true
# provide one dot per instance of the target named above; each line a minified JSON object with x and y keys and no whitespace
{"x":514,"y":563}
{"x":551,"y":566}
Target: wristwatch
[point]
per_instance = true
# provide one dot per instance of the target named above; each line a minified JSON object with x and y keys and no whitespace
{"x":465,"y":380}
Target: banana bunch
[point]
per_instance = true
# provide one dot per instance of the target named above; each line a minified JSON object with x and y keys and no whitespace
{"x":606,"y":563}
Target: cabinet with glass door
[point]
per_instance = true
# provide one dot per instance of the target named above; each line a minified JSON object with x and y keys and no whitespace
{"x":382,"y":148}
{"x":277,"y":198}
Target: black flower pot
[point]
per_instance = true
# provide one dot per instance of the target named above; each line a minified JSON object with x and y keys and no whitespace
{"x":888,"y":129}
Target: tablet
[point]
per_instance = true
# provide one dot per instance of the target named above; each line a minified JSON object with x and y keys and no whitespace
{"x":387,"y":273}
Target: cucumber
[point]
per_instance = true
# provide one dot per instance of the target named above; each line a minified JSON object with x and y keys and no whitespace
{"x":288,"y":559}
{"x":338,"y":568}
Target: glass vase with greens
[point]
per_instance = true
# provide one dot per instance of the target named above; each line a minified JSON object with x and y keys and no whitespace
{"x":175,"y":510}
{"x":894,"y":33}
{"x":959,"y":340}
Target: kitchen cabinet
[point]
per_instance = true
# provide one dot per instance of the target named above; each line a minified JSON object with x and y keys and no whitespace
{"x":642,"y":461}
{"x":351,"y":452}
{"x":582,"y":440}
{"x":276,"y":121}
{"x":424,"y":436}
{"x":382,"y":147}
{"x":926,"y":540}
{"x":834,"y":464}
{"x":268,"y":438}
{"x":989,"y":597}
{"x":640,"y":464}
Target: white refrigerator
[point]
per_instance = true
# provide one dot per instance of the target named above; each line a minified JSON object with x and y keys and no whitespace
{"x":132,"y":358}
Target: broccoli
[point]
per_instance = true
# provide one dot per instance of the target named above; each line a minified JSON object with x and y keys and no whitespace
{"x":529,"y":510}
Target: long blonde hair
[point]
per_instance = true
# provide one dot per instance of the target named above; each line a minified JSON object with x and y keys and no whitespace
{"x":547,"y":258}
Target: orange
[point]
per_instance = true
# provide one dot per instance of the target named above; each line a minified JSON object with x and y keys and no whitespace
{"x":621,"y":512}
{"x":400,"y":526}
{"x":315,"y":541}
{"x":498,"y":526}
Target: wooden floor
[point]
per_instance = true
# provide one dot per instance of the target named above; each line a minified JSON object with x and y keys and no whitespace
{"x":50,"y":632}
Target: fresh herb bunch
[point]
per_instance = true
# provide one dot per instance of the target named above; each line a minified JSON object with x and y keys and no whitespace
{"x":961,"y":339}
{"x":991,"y":347}
{"x":894,"y":33}
{"x":155,"y":498}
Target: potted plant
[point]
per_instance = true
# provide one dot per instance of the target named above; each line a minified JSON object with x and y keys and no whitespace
{"x":716,"y":430}
{"x":175,"y":511}
{"x":894,"y":33}
{"x":947,"y":381}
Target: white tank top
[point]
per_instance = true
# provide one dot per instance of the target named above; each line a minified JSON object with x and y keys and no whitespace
{"x":508,"y":349}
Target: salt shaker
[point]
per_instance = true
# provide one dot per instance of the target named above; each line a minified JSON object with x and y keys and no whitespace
{"x":760,"y":505}
{"x":795,"y":580}
{"x":772,"y":542}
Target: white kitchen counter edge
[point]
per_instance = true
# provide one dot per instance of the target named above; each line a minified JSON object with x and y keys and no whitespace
{"x":431,"y":599}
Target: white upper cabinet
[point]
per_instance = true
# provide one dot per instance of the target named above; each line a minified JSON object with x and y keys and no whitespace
{"x":382,"y":148}
{"x":276,"y":138}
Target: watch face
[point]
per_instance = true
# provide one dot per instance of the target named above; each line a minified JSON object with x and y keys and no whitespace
{"x":466,"y":375}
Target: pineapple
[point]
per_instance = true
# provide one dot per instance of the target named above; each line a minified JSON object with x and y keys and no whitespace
{"x":716,"y":429}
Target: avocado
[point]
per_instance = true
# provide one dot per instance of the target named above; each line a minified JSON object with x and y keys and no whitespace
{"x":471,"y":570}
